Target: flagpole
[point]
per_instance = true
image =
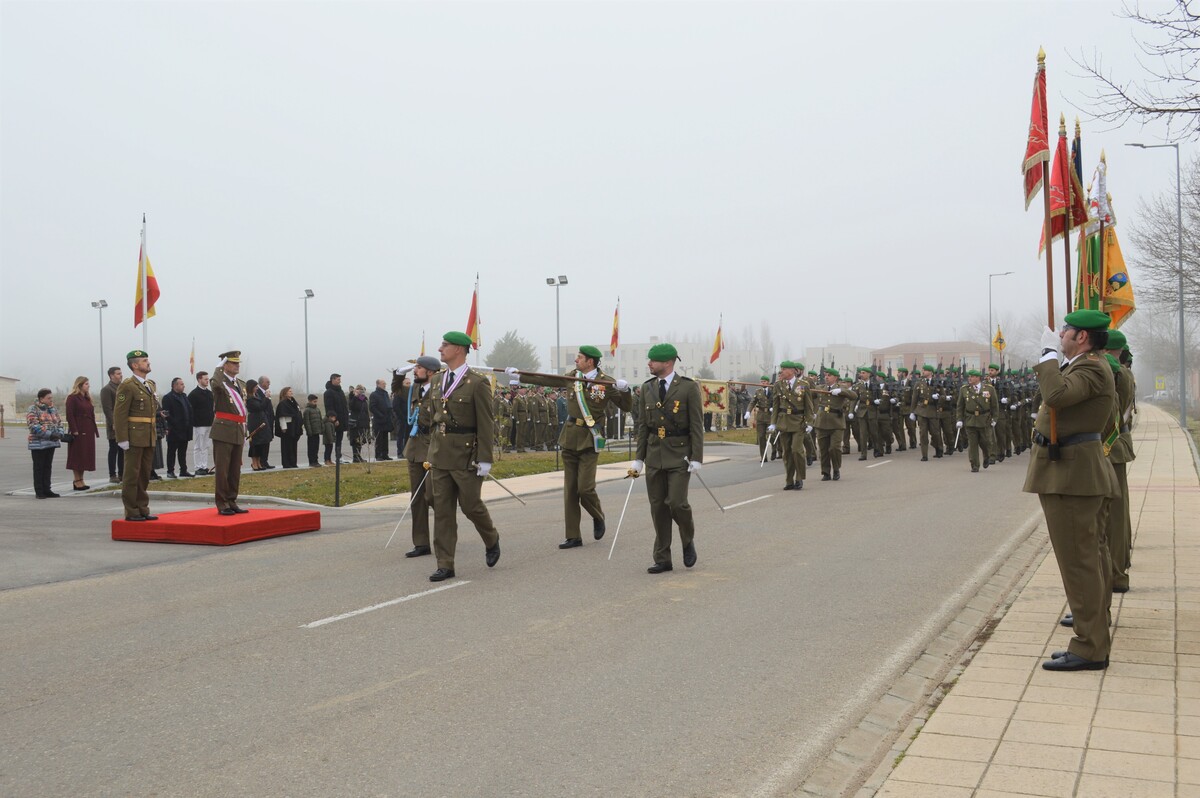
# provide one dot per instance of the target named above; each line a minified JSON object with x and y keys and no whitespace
{"x":1053,"y":453}
{"x":145,"y":289}
{"x":1100,"y":213}
{"x":1067,"y":216}
{"x":479,"y":344}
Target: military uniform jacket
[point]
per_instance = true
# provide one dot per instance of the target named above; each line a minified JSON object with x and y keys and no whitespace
{"x":862,"y":390}
{"x":601,"y":401}
{"x":977,"y":408}
{"x":1083,"y":394}
{"x":946,"y":398}
{"x":134,"y":413}
{"x":520,"y":409}
{"x":463,"y":424}
{"x":227,"y":430}
{"x":879,"y":391}
{"x":417,"y":448}
{"x":673,"y":429}
{"x":760,"y":405}
{"x":792,"y":407}
{"x":923,"y":404}
{"x":1122,"y":450}
{"x":831,"y":411}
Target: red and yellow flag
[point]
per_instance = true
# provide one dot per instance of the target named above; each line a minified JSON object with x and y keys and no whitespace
{"x":145,"y":277}
{"x":616,"y":332}
{"x":1037,"y":144}
{"x":473,"y":318}
{"x":718,"y":344}
{"x":1067,"y":208}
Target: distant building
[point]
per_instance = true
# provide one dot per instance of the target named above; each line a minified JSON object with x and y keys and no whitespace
{"x":630,"y":360}
{"x":8,"y":399}
{"x":959,"y":353}
{"x":842,"y":356}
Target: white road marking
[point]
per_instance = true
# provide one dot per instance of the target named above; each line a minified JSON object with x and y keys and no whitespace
{"x":885,"y":462}
{"x":380,"y":606}
{"x":748,"y":501}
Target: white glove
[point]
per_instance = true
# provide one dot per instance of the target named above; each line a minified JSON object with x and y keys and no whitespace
{"x":1003,"y":400}
{"x":836,"y":392}
{"x":483,"y":469}
{"x":912,"y":416}
{"x":512,"y":371}
{"x":746,"y":416}
{"x":808,"y":428}
{"x":958,"y":424}
{"x":637,"y":466}
{"x":850,"y":416}
{"x":1033,"y":416}
{"x":407,"y":367}
{"x":877,"y":401}
{"x":622,"y":385}
{"x":694,"y":466}
{"x":124,"y":445}
{"x":895,"y":401}
{"x":770,"y":428}
{"x":935,"y":396}
{"x":1050,"y":340}
{"x":993,"y":423}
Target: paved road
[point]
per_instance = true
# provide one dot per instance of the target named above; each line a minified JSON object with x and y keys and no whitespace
{"x":177,"y":670}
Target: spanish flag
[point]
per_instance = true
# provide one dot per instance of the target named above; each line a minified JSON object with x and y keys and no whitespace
{"x":616,"y":333}
{"x":147,"y":279}
{"x":473,"y":318}
{"x":718,"y":344}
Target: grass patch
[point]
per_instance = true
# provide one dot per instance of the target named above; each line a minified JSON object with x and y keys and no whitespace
{"x":360,"y":481}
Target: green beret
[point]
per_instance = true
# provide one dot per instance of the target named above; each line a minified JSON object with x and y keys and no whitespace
{"x":834,"y":372}
{"x":902,"y":370}
{"x":974,"y":373}
{"x":994,"y":366}
{"x":864,"y":368}
{"x":764,"y":378}
{"x":591,"y":352}
{"x":663,"y":353}
{"x":1116,"y":340}
{"x":1112,"y":363}
{"x":789,"y":364}
{"x":135,"y":354}
{"x":1087,"y":320}
{"x":929,"y":367}
{"x":458,"y":338}
{"x":812,"y":373}
{"x":797,"y":365}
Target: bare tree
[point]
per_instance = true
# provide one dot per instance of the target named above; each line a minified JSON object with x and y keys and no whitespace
{"x":1170,"y":86}
{"x":1156,"y":246}
{"x":1153,"y":337}
{"x":768,"y":348}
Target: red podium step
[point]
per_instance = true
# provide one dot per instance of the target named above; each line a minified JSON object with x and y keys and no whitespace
{"x":209,"y":528}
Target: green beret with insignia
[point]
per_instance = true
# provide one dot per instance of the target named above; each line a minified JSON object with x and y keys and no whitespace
{"x":662,"y":353}
{"x":458,"y":339}
{"x":1116,"y":340}
{"x":136,"y":354}
{"x":1087,"y":320}
{"x":974,"y":373}
{"x":994,"y":366}
{"x":590,"y":351}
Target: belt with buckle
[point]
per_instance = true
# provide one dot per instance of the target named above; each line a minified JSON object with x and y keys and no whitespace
{"x":140,"y":418}
{"x":1070,"y":440}
{"x":446,"y":429}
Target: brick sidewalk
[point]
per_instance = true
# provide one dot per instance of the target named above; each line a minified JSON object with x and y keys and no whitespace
{"x":1009,"y":728}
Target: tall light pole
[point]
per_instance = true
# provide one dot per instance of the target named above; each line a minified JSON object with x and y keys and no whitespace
{"x":100,"y":305}
{"x":992,"y":339}
{"x":308,"y":294}
{"x":557,"y":284}
{"x":1179,"y":234}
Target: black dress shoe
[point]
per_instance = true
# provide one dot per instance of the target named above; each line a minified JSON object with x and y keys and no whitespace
{"x":789,"y":486}
{"x":659,"y":567}
{"x":186,"y":474}
{"x":51,"y":495}
{"x":924,"y":458}
{"x":1121,"y":589}
{"x":571,"y":543}
{"x":975,"y":469}
{"x":154,"y":476}
{"x":837,"y":475}
{"x":170,"y":475}
{"x":129,"y":518}
{"x":267,"y":467}
{"x":238,"y":510}
{"x":441,"y":574}
{"x":226,"y":511}
{"x":1061,"y":654}
{"x":862,"y":456}
{"x":417,"y":551}
{"x":598,"y":528}
{"x":1073,"y":662}
{"x":79,"y":487}
{"x":492,"y":555}
{"x":150,"y":518}
{"x":799,"y":485}
{"x":1067,"y":620}
{"x":689,"y":555}
{"x":825,"y":477}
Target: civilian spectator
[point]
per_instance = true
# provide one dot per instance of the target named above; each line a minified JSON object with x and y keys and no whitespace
{"x":381,"y":418}
{"x":360,"y":421}
{"x":108,"y":398}
{"x":201,"y":400}
{"x":45,"y":432}
{"x":337,"y":410}
{"x":178,"y":411}
{"x":289,"y":426}
{"x":260,"y":415}
{"x":314,"y":425}
{"x":400,"y":421}
{"x":81,"y":420}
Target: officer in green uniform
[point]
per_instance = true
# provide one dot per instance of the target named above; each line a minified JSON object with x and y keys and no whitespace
{"x":1072,"y":477}
{"x":134,"y":411}
{"x":902,"y":424}
{"x":670,"y":448}
{"x":832,"y":408}
{"x":520,"y":409}
{"x":860,"y":423}
{"x":759,"y":414}
{"x":922,"y":411}
{"x":228,"y":432}
{"x":792,"y":415}
{"x":947,"y":400}
{"x":879,"y":413}
{"x":975,"y":414}
{"x":593,"y":395}
{"x":997,"y":435}
{"x":418,"y":398}
{"x":460,"y":454}
{"x":1120,"y":453}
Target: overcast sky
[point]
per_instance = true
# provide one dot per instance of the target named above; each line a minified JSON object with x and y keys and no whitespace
{"x":842,"y":170}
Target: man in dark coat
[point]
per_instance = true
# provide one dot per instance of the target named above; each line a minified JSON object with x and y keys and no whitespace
{"x":381,"y":418}
{"x":337,"y":410}
{"x":201,"y":400}
{"x":179,"y":427}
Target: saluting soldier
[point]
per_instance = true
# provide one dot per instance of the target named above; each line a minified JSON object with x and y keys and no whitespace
{"x":791,"y":416}
{"x":923,"y":411}
{"x":591,"y":400}
{"x":134,"y":412}
{"x":832,"y":410}
{"x":670,"y":448}
{"x":460,"y":454}
{"x":976,"y":412}
{"x":418,"y":398}
{"x":228,"y":432}
{"x":1072,"y":487}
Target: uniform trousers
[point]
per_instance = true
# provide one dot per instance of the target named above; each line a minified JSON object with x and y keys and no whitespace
{"x":1119,"y":530}
{"x":829,"y":443}
{"x":863,"y":432}
{"x":948,"y":432}
{"x":1079,"y":546}
{"x":418,"y":505}
{"x":977,"y":438}
{"x":454,"y":489}
{"x":139,"y":462}
{"x":227,"y":463}
{"x":793,"y":454}
{"x":579,"y":488}
{"x":201,"y":437}
{"x":881,"y":432}
{"x":667,"y":490}
{"x":930,"y":430}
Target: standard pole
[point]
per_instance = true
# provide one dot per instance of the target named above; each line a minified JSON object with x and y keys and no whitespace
{"x":1182,"y":354}
{"x":557,"y":357}
{"x":992,"y":342}
{"x":101,"y":376}
{"x":307,"y":388}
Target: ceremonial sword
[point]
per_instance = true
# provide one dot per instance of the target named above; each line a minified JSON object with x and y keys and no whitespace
{"x":411,"y":498}
{"x":632,"y":475}
{"x":696,"y":474}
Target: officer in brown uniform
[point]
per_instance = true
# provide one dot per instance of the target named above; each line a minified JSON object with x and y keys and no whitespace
{"x":922,"y":411}
{"x":670,"y":448}
{"x":460,"y":454}
{"x":860,"y":423}
{"x":975,"y":414}
{"x":901,"y":423}
{"x":418,"y":399}
{"x":591,"y":399}
{"x":791,"y":415}
{"x":832,"y":408}
{"x":134,"y":411}
{"x":1072,"y":477}
{"x":1120,"y":453}
{"x":759,"y":414}
{"x":228,"y":432}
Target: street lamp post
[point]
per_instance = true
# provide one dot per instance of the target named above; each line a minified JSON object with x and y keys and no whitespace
{"x":100,"y":305}
{"x":308,"y":294}
{"x":992,"y":344}
{"x":1179,"y":241}
{"x":557,"y":283}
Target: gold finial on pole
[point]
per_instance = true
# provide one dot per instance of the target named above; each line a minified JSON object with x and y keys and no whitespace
{"x":1041,"y":57}
{"x":1062,"y":124}
{"x":1077,"y":131}
{"x":1103,"y":159}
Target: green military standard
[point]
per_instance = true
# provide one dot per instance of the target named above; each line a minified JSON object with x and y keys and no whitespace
{"x":923,"y":411}
{"x":135,"y":409}
{"x":1072,"y":477}
{"x":832,"y":408}
{"x":791,"y":415}
{"x":670,"y":446}
{"x":418,"y":399}
{"x":593,"y":394}
{"x":975,"y":414}
{"x":460,"y":454}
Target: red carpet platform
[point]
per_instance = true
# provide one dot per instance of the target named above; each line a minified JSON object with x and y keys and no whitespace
{"x":208,"y":528}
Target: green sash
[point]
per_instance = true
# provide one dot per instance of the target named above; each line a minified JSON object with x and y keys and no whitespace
{"x":598,"y":441}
